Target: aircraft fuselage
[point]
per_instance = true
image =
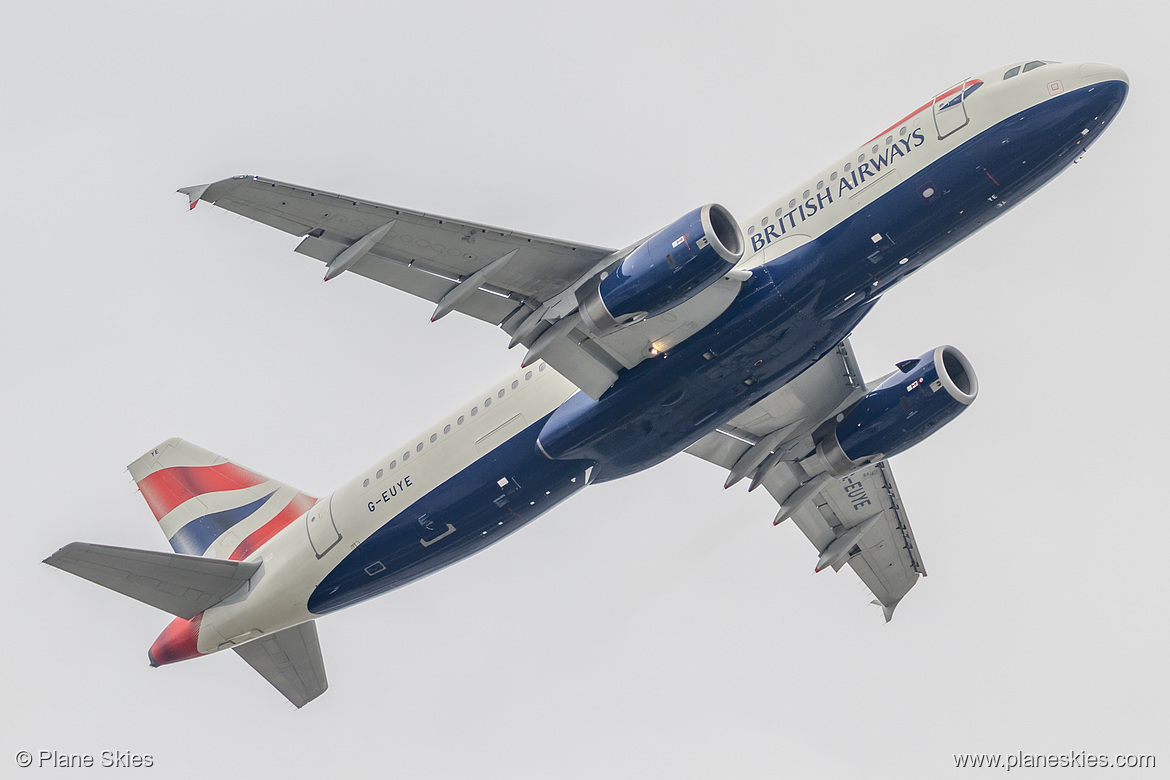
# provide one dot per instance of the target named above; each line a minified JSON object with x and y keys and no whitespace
{"x":819,"y":259}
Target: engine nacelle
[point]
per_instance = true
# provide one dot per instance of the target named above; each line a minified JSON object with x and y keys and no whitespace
{"x":923,"y":396}
{"x":675,"y":264}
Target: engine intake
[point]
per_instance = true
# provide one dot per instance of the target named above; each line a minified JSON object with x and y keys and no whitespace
{"x":672,"y":266}
{"x":923,"y":396}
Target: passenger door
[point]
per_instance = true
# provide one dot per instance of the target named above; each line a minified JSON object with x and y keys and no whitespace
{"x":950,"y":110}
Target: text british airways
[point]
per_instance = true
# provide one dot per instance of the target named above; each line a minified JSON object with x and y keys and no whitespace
{"x":847,"y":182}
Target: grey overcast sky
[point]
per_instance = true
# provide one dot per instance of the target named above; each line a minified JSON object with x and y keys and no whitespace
{"x":658,"y":626}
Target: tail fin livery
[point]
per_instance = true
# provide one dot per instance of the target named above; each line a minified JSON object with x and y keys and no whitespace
{"x":207,"y":505}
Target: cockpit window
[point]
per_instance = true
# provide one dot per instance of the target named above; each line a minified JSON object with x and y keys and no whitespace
{"x":1030,"y":66}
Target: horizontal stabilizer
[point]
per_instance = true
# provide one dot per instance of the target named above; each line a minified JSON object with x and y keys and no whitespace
{"x":183,"y":585}
{"x":290,"y":660}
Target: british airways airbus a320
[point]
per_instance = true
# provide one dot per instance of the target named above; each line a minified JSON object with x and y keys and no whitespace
{"x":723,"y":339}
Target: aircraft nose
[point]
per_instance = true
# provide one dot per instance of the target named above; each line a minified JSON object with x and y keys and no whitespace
{"x":1099,"y":72}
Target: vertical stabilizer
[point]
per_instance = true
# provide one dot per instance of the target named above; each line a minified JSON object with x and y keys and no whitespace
{"x":207,"y":505}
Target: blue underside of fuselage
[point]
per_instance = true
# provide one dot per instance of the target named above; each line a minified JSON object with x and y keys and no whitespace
{"x":799,"y":306}
{"x":787,"y":316}
{"x":473,"y":502}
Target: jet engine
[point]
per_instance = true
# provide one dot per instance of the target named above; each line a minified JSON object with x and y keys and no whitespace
{"x":675,"y":264}
{"x":924,"y":395}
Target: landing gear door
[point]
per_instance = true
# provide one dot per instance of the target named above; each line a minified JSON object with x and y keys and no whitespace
{"x":950,"y":110}
{"x":323,"y":533}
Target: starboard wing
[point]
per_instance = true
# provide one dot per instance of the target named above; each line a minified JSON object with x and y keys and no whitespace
{"x":857,"y":520}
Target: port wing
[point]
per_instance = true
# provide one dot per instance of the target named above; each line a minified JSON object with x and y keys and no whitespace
{"x":422,"y":254}
{"x":522,"y":283}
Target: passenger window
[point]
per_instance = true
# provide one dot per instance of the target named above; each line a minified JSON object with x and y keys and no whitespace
{"x":378,"y":475}
{"x":434,"y":437}
{"x":1011,"y":72}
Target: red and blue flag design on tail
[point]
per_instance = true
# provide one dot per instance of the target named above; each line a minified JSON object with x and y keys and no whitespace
{"x":207,"y":505}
